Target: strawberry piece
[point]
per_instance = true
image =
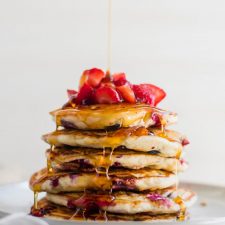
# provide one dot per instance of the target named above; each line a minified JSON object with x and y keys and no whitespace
{"x":71,"y":93}
{"x":119,"y":79}
{"x":84,"y":95}
{"x":106,"y":95}
{"x":107,"y":81}
{"x":126,"y":92}
{"x":149,"y":93}
{"x":185,"y":141}
{"x":92,"y":77}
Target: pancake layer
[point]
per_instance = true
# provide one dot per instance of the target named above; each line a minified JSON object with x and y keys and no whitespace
{"x":128,"y":180}
{"x":112,"y":116}
{"x":167,"y":143}
{"x":89,"y":159}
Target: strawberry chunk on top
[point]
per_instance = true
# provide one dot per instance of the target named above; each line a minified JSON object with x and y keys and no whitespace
{"x":84,"y":95}
{"x":92,"y":77}
{"x":71,"y":93}
{"x":119,"y":79}
{"x":148,"y":93}
{"x":126,"y":92}
{"x":106,"y":95}
{"x":97,"y":87}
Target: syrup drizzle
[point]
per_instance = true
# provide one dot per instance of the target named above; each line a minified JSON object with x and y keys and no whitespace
{"x":49,"y":164}
{"x":180,"y":202}
{"x":75,"y":214}
{"x":35,"y":200}
{"x":176,"y":173}
{"x":49,"y":169}
{"x":178,"y":199}
{"x":109,"y":34}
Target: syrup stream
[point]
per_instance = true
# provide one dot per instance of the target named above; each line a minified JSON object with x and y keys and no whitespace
{"x":109,"y":36}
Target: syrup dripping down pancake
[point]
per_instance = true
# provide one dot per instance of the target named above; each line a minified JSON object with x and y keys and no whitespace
{"x":126,"y":203}
{"x":168,"y":143}
{"x":50,"y":210}
{"x":89,"y":159}
{"x":110,"y":116}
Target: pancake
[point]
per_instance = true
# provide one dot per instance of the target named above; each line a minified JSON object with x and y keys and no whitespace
{"x":50,"y":210}
{"x":168,"y":143}
{"x":110,"y":116}
{"x":88,"y":159}
{"x":127,"y":180}
{"x":124,"y":203}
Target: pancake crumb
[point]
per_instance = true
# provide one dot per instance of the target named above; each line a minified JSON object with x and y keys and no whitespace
{"x":203,"y":204}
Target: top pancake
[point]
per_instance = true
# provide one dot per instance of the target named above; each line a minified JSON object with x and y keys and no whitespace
{"x":104,"y":116}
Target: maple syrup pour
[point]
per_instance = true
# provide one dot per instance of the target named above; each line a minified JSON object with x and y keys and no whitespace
{"x":180,"y":202}
{"x":104,"y":162}
{"x":109,"y":32}
{"x":35,"y":200}
{"x":49,"y":166}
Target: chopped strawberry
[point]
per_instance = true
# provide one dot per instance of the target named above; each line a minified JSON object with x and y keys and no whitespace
{"x":119,"y":79}
{"x":106,"y":95}
{"x":84,"y":95}
{"x":185,"y":141}
{"x":71,"y":93}
{"x":126,"y":92}
{"x":107,"y":81}
{"x":92,"y":77}
{"x":149,"y":93}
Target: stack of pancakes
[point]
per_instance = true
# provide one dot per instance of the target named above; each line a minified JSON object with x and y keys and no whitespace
{"x":113,"y":162}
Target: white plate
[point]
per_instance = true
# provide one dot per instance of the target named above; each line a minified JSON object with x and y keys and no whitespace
{"x":209,"y":209}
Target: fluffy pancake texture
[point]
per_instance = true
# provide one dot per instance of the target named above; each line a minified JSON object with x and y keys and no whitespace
{"x":88,"y":159}
{"x":126,"y":203}
{"x":109,"y":116}
{"x":48,"y":209}
{"x":168,"y":143}
{"x":135,"y":180}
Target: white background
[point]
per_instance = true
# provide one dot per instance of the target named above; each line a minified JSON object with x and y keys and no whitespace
{"x":46,"y":44}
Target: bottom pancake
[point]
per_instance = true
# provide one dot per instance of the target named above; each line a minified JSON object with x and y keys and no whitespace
{"x":127,"y":203}
{"x":49,"y":210}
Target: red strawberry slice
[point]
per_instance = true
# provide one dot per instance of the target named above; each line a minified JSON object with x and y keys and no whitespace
{"x":106,"y":95}
{"x":107,"y":81}
{"x":92,"y":77}
{"x":119,"y":79}
{"x":185,"y":141}
{"x":84,"y":95}
{"x":126,"y":92}
{"x":71,"y":93}
{"x":149,"y":93}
